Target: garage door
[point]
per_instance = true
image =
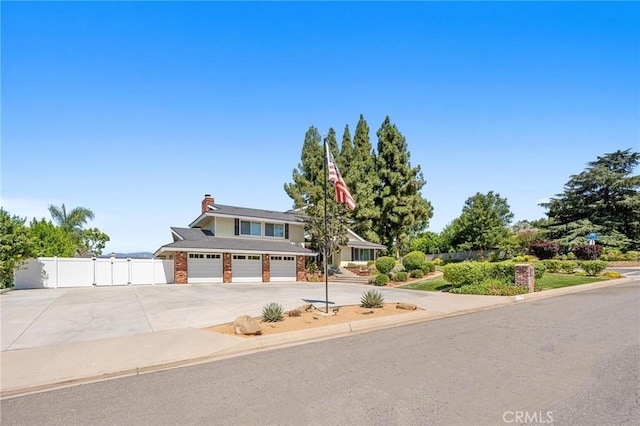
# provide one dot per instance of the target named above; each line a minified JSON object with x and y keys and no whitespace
{"x":283,"y":268}
{"x":246,"y":268}
{"x":204,"y":268}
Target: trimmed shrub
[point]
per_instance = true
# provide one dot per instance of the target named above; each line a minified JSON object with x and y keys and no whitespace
{"x":385,"y":264}
{"x":545,"y":250}
{"x":416,"y":273}
{"x":428,"y":267}
{"x":568,"y":266}
{"x":588,"y":252}
{"x":538,"y":269}
{"x":437,"y":261}
{"x":612,"y":274}
{"x":414,"y":260}
{"x":491,"y":287}
{"x":593,"y":267}
{"x":552,"y":265}
{"x":381,"y":279}
{"x":465,"y":273}
{"x":401,"y":276}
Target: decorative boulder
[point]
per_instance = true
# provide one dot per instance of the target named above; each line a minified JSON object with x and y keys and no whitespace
{"x":246,"y":325}
{"x":406,"y":306}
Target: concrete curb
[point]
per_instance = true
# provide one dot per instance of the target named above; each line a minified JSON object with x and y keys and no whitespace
{"x":292,"y":338}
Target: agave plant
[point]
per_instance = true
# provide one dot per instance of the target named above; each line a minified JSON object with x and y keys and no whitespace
{"x":372,"y":299}
{"x":272,"y":312}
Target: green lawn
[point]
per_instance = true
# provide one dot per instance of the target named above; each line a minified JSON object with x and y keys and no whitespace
{"x":547,"y":282}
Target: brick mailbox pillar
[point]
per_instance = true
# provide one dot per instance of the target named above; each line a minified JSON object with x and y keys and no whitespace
{"x":525,"y":276}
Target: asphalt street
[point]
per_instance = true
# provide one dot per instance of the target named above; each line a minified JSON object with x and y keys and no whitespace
{"x":567,"y":360}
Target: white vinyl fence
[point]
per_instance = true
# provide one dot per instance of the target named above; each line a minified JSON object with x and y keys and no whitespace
{"x":59,"y":272}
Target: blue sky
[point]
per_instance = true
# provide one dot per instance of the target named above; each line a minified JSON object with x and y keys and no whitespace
{"x":137,"y":109}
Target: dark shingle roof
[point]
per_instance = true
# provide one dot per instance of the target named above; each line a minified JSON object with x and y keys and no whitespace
{"x":196,"y":238}
{"x":289,"y":216}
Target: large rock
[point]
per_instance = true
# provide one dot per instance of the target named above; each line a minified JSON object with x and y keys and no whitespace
{"x":246,"y":325}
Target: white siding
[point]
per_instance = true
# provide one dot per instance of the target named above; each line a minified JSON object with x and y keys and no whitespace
{"x":225,"y":227}
{"x":296,"y":233}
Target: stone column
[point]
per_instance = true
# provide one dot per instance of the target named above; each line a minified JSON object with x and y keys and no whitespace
{"x":301,"y":273}
{"x":525,"y":276}
{"x":226,"y":268}
{"x":266,"y":268}
{"x":180,"y":268}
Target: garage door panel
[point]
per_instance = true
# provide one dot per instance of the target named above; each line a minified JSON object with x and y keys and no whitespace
{"x":204,"y":268}
{"x":246,"y":268}
{"x":283,"y":268}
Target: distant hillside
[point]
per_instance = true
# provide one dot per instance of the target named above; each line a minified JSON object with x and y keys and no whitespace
{"x":137,"y":255}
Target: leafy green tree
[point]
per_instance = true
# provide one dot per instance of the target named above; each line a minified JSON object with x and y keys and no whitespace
{"x":362,"y":179}
{"x":483,"y":222}
{"x":16,"y":246}
{"x":94,"y":241}
{"x":604,"y":198}
{"x":71,"y":222}
{"x":306,"y":187}
{"x":50,"y":240}
{"x":427,"y":242}
{"x":403,"y":211}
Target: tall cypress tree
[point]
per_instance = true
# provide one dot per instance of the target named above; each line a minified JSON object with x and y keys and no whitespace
{"x":403,"y":210}
{"x":307,"y":193}
{"x":346,"y":152}
{"x":362,"y":180}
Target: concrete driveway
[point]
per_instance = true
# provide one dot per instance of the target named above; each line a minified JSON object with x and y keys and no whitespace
{"x":42,"y":317}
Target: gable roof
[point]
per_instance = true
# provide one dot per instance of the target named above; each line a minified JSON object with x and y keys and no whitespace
{"x":196,"y":239}
{"x":222,"y":210}
{"x":357,"y":241}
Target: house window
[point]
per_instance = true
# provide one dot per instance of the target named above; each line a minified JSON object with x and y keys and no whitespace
{"x":274,"y":230}
{"x":360,"y":254}
{"x":250,"y":228}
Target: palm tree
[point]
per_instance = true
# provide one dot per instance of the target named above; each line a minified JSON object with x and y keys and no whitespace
{"x":72,"y":221}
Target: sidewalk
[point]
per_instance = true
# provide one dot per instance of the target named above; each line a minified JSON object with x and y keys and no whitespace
{"x":47,"y":367}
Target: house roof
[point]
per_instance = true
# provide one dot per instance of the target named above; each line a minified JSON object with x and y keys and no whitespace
{"x":196,"y":239}
{"x":357,"y":241}
{"x":243,"y":212}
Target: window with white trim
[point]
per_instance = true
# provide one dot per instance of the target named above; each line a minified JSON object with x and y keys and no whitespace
{"x":274,"y":230}
{"x":250,"y":228}
{"x":360,"y":254}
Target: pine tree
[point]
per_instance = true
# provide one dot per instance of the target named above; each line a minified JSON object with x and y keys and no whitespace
{"x":362,"y":179}
{"x":306,"y":188}
{"x":403,"y":211}
{"x":308,"y":195}
{"x":604,"y":198}
{"x":346,"y":152}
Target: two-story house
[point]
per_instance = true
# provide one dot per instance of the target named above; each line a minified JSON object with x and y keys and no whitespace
{"x":237,"y":244}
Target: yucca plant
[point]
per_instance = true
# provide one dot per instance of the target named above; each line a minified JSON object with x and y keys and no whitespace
{"x":272,"y":312}
{"x":372,"y":299}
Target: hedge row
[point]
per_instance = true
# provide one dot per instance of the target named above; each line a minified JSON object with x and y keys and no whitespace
{"x":468,"y":273}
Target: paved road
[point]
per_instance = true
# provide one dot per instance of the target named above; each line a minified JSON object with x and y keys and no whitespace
{"x":573,"y":360}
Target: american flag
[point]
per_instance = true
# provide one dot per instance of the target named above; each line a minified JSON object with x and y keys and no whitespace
{"x":342,"y":192}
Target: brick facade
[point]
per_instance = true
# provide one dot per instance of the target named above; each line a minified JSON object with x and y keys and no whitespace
{"x":180,"y":268}
{"x":301,"y":273}
{"x":266,"y":268}
{"x":226,"y":268}
{"x":525,"y":276}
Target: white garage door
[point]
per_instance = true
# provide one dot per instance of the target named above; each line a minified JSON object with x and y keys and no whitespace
{"x":246,"y":268}
{"x":204,"y":268}
{"x":283,"y":268}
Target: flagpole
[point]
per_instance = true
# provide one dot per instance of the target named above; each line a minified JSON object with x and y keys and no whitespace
{"x":326,"y":236}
